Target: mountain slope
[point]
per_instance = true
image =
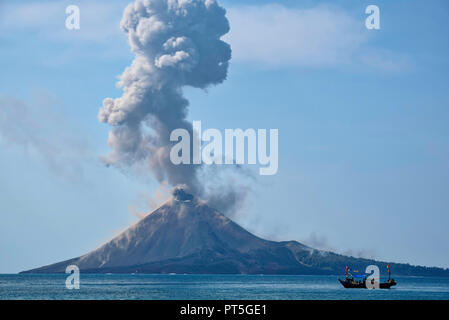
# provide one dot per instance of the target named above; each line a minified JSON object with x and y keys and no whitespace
{"x":186,"y":236}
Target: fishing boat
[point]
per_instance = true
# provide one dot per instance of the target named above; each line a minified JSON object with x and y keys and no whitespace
{"x":359,"y":281}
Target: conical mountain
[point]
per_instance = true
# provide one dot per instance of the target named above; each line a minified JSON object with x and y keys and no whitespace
{"x":186,"y":236}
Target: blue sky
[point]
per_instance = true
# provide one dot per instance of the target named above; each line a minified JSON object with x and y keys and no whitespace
{"x":362,"y":118}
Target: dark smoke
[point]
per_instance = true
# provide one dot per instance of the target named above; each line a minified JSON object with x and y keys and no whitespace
{"x":176,"y":44}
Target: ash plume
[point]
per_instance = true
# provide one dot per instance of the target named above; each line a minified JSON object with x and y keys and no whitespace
{"x":176,"y":44}
{"x":320,"y":242}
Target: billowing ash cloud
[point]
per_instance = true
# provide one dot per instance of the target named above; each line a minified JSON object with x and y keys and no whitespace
{"x":176,"y":44}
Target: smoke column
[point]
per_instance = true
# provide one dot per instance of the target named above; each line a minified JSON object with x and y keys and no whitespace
{"x":176,"y":43}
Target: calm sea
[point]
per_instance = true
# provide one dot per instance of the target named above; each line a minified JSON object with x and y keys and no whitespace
{"x":103,"y":286}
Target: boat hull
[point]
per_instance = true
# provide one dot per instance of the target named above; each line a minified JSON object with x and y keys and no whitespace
{"x":362,"y":284}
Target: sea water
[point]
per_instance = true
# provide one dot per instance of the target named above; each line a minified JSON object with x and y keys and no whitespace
{"x":156,"y":287}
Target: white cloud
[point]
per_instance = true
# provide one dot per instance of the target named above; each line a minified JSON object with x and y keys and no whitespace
{"x":25,"y":15}
{"x":275,"y":36}
{"x":385,"y":60}
{"x":41,"y":25}
{"x":100,"y":20}
{"x":268,"y":36}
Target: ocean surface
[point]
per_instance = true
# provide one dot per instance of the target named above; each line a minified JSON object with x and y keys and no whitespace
{"x":192,"y":287}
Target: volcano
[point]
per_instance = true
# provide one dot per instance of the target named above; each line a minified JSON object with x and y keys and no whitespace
{"x":185,"y":235}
